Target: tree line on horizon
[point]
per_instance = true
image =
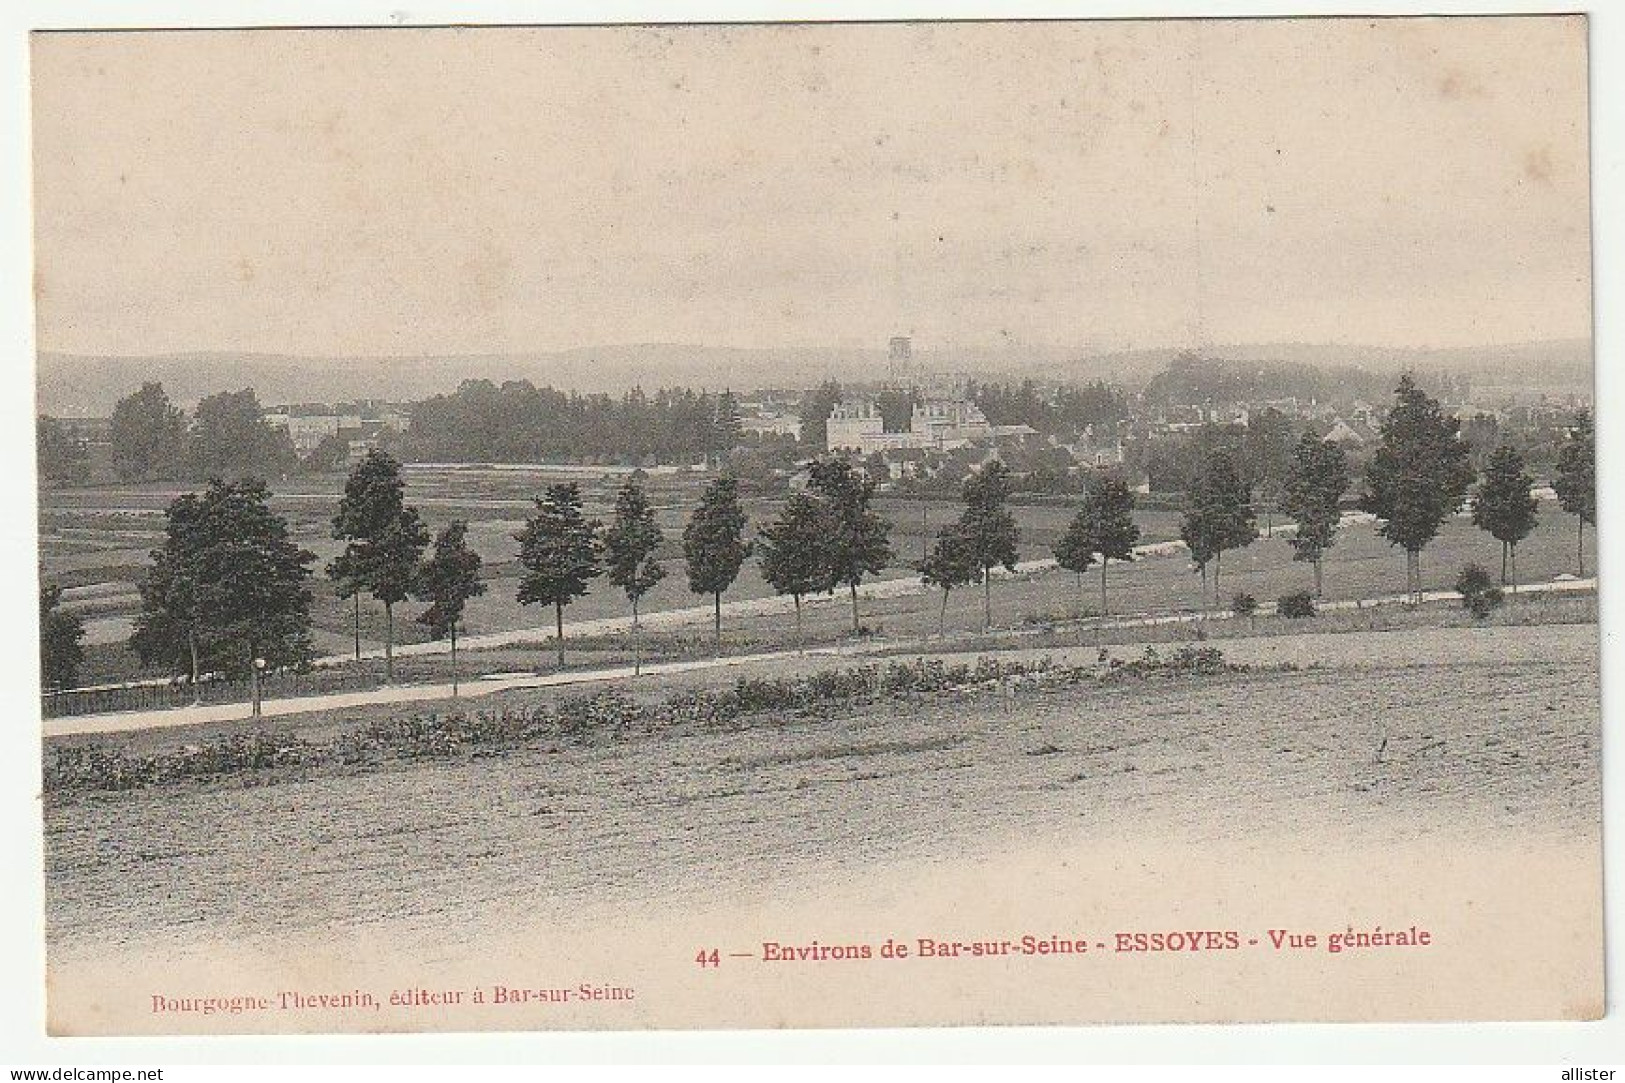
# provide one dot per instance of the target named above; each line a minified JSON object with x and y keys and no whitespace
{"x":228,"y":590}
{"x":152,"y":439}
{"x":515,"y":421}
{"x":1192,"y":378}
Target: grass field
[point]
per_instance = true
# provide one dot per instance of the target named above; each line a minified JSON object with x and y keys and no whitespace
{"x":95,"y":543}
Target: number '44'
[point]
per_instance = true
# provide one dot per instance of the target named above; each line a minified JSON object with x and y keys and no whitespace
{"x":708,"y":958}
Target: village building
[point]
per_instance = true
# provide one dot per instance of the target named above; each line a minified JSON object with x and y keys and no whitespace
{"x":1097,"y":449}
{"x":771,"y":424}
{"x":936,"y":424}
{"x":363,"y":425}
{"x":1352,"y":433}
{"x":87,"y":431}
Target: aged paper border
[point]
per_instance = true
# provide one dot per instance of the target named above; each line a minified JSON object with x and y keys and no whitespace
{"x":21,"y":993}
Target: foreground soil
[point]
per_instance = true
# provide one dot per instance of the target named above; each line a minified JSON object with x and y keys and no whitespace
{"x":1459,"y":737}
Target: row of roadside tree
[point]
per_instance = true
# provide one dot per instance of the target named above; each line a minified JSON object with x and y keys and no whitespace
{"x":228,"y":591}
{"x":1419,"y":477}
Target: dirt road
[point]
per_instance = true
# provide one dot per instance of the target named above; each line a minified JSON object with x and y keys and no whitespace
{"x":126,"y":721}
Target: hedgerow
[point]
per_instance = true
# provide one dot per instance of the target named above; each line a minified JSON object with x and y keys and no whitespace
{"x":608,"y":713}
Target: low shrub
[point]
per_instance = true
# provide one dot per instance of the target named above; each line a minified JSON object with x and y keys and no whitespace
{"x":1478,"y":590}
{"x":1198,"y":660}
{"x":1243,"y":604}
{"x":1188,"y":659}
{"x":95,"y":767}
{"x":90,"y":766}
{"x":606,"y":712}
{"x":1296,"y":606}
{"x":429,"y":735}
{"x":1044,"y":618}
{"x":607,"y":709}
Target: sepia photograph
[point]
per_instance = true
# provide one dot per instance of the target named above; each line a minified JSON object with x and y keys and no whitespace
{"x":821,"y":524}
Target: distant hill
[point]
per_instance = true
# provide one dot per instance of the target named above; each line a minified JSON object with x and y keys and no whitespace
{"x":1560,"y":365}
{"x":76,"y":385}
{"x":80,"y":385}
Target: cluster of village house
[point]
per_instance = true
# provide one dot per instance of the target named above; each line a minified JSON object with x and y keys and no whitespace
{"x":362,"y":425}
{"x":943,"y":421}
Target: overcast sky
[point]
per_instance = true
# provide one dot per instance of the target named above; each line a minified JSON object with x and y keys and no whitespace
{"x":1099,"y":185}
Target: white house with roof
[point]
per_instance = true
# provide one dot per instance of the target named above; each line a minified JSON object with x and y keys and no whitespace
{"x":936,"y":424}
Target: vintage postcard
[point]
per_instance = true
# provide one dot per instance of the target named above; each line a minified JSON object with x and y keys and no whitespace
{"x":817,"y":525}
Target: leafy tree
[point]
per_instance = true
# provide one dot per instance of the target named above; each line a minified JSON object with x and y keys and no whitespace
{"x":169,"y":629}
{"x":1418,"y":477}
{"x":1576,"y":480}
{"x":447,"y":580}
{"x":392,"y":572}
{"x":815,"y":410}
{"x":1103,"y":527}
{"x":714,"y":544}
{"x":230,"y":439}
{"x":347,"y":574}
{"x":1243,"y":604}
{"x":331,"y":455}
{"x":1175,"y":464}
{"x":987,"y":529}
{"x":1504,"y":504}
{"x":726,"y":429}
{"x":1479,"y":594}
{"x":559,"y":551}
{"x":1075,"y":551}
{"x":1267,"y":450}
{"x":253,"y":598}
{"x":1219,"y":515}
{"x":519,"y":422}
{"x":60,"y":631}
{"x":1482,"y":433}
{"x":858,"y":540}
{"x":1193,"y":531}
{"x":148,"y":436}
{"x":629,"y":552}
{"x":1311,"y":495}
{"x":1050,"y":410}
{"x":763,"y":464}
{"x":952,"y":562}
{"x":384,"y":541}
{"x":62,"y":458}
{"x":792,"y":552}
